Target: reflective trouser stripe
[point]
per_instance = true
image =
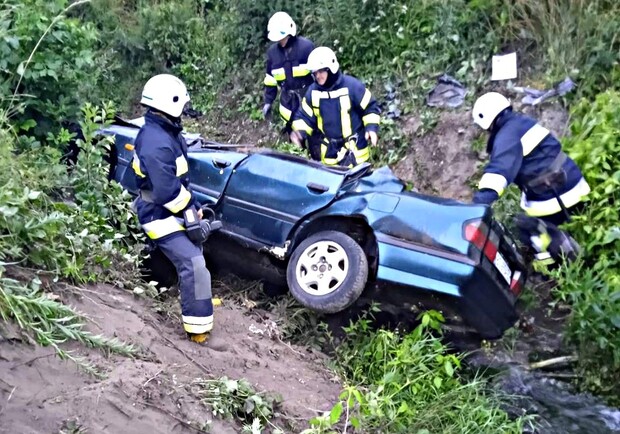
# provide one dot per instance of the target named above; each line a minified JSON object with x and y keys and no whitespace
{"x":180,"y":202}
{"x":493,"y":181}
{"x":197,"y":324}
{"x":361,"y":155}
{"x":285,"y":113}
{"x":160,"y":228}
{"x":551,"y":206}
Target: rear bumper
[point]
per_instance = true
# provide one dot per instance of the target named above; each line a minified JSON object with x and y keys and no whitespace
{"x":483,"y":300}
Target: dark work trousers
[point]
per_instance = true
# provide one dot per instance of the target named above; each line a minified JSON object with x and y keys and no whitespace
{"x":194,"y":282}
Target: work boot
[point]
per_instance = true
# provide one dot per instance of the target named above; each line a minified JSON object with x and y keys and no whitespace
{"x":215,"y":343}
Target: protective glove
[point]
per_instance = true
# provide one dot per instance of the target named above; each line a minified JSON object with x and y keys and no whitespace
{"x":266,"y":109}
{"x":372,"y":137}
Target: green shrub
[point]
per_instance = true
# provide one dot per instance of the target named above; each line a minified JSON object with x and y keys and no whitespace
{"x":409,"y":384}
{"x":73,"y":224}
{"x":592,"y":285}
{"x":52,"y":83}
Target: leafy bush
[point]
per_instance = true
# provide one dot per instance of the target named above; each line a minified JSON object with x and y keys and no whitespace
{"x":48,"y":60}
{"x":592,"y":285}
{"x":409,"y":384}
{"x":78,"y":237}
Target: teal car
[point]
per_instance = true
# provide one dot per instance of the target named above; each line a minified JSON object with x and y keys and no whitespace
{"x":331,"y":235}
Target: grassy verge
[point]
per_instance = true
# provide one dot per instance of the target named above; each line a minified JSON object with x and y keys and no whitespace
{"x":592,"y":284}
{"x":409,"y":384}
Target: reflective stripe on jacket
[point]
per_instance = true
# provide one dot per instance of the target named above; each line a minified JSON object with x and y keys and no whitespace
{"x":286,"y":67}
{"x":162,"y":175}
{"x":522,"y":150}
{"x":340,"y":111}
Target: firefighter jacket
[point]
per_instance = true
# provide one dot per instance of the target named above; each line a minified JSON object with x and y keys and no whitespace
{"x":521,"y":150}
{"x":286,"y":67}
{"x":162,"y":175}
{"x":341,"y":111}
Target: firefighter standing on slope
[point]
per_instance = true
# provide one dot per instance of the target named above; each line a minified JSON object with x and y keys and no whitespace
{"x":162,"y":175}
{"x":286,"y":67}
{"x":341,"y":108}
{"x":526,"y":153}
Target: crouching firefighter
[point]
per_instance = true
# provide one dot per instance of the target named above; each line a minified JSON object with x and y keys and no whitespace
{"x":341,"y":108}
{"x":526,"y":153}
{"x":166,"y":208}
{"x":286,"y":67}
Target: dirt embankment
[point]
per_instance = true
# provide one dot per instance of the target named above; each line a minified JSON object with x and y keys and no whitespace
{"x":156,"y":393}
{"x":442,"y":161}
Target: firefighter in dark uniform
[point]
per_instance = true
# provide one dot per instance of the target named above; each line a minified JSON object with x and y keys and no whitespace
{"x":526,"y":153}
{"x":162,"y":174}
{"x":286,"y":67}
{"x":341,"y":108}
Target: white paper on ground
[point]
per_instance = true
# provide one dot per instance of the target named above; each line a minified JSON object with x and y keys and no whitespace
{"x":504,"y":67}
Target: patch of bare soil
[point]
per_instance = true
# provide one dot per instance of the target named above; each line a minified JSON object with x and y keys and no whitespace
{"x":442,"y":161}
{"x":155,"y":393}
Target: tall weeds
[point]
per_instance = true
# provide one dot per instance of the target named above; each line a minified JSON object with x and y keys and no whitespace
{"x":580,"y":38}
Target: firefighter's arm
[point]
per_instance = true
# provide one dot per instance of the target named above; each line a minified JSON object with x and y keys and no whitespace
{"x":168,"y":191}
{"x":271,"y":85}
{"x":304,"y":120}
{"x":502,"y":169}
{"x":370,"y":111}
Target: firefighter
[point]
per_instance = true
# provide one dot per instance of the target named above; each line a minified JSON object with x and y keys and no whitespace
{"x":526,"y":153}
{"x":341,"y":108}
{"x":162,"y":175}
{"x":286,"y":67}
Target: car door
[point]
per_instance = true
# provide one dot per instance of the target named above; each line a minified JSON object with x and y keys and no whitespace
{"x":269,"y":193}
{"x":210,"y":170}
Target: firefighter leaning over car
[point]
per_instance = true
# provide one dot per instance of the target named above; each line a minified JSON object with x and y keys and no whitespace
{"x":162,"y":175}
{"x":341,"y":108}
{"x":286,"y":67}
{"x":526,"y":153}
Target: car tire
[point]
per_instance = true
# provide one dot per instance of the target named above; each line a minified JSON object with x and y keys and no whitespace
{"x":327,"y":272}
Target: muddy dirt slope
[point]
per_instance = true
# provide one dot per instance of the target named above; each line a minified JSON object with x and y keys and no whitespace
{"x":157,"y":392}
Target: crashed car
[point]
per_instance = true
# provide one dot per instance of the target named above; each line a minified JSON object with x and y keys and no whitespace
{"x":331,"y":233}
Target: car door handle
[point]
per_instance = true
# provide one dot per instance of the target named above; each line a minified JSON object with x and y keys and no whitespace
{"x":222,"y":164}
{"x":318,"y":188}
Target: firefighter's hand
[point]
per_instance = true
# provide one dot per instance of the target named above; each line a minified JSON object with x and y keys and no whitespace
{"x":296,"y":138}
{"x":199,"y":212}
{"x":266,"y":109}
{"x":371,"y":136}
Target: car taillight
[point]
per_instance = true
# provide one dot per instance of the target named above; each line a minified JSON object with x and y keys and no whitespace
{"x":515,"y":284}
{"x":477,"y":232}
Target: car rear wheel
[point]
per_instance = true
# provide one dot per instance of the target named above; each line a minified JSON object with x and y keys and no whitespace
{"x":327,"y":272}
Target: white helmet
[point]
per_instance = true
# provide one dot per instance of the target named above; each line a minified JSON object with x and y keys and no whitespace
{"x":321,"y":58}
{"x":166,"y":93}
{"x":280,"y":26}
{"x":487,"y":107}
